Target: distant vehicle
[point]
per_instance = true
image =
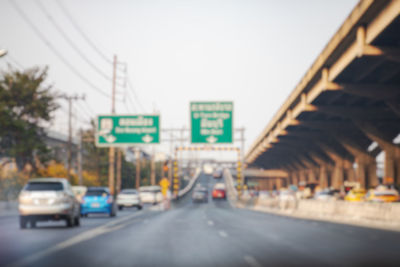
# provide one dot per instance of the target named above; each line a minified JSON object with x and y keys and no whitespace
{"x":79,"y":191}
{"x":355,"y":195}
{"x":327,"y":195}
{"x":46,"y":199}
{"x":383,"y":195}
{"x":207,"y":169}
{"x":150,"y":194}
{"x":129,"y":198}
{"x":217,"y":174}
{"x":265,"y":195}
{"x":287,"y":195}
{"x":200,"y":194}
{"x":98,"y":200}
{"x":219,"y":191}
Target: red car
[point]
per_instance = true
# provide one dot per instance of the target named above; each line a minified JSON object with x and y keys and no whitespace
{"x":219,"y":191}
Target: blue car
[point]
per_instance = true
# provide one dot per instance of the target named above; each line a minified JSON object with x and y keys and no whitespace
{"x":98,"y":200}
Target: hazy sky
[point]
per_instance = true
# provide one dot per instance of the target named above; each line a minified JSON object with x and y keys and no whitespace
{"x":250,"y":52}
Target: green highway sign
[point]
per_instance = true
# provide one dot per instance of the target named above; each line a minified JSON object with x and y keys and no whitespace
{"x":124,"y":130}
{"x":211,"y":122}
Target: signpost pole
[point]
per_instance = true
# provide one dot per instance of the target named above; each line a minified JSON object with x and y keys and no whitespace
{"x":111,"y":156}
{"x":137,"y":152}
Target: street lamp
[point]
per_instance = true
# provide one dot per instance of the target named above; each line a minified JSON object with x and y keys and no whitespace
{"x":3,"y":52}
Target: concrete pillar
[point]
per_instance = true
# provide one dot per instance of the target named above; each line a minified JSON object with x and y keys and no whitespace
{"x":295,"y":179}
{"x":312,"y":175}
{"x":350,"y":173}
{"x":392,"y":152}
{"x":338,"y":171}
{"x":279,"y":184}
{"x":323,"y":176}
{"x":302,"y":175}
{"x":365,"y":172}
{"x":392,"y":162}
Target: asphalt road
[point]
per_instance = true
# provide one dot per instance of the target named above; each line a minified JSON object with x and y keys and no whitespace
{"x":212,"y":234}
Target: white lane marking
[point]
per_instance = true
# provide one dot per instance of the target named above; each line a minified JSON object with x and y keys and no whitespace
{"x":223,"y":234}
{"x":211,"y":223}
{"x":252,"y":261}
{"x":80,"y":237}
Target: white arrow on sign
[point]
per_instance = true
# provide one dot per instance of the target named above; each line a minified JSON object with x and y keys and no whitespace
{"x":147,"y":138}
{"x":110,"y":138}
{"x":211,"y":139}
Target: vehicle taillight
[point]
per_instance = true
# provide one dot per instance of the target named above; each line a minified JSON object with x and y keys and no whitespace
{"x":83,"y":201}
{"x":109,"y":199}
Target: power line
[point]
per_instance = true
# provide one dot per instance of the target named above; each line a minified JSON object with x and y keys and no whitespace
{"x":131,"y":102}
{"x":70,"y":42}
{"x":53,"y":49}
{"x":76,"y":26}
{"x":135,"y":95}
{"x":85,"y":112}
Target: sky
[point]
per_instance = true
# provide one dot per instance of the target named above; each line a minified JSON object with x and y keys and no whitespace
{"x":251,"y":52}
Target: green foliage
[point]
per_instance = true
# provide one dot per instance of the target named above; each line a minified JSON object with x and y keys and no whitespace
{"x":25,"y":105}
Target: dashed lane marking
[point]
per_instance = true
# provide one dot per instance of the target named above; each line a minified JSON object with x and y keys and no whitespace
{"x":90,"y":234}
{"x":223,"y":234}
{"x":211,"y":223}
{"x":252,"y":261}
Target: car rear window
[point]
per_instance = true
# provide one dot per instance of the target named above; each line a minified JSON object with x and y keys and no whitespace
{"x":129,"y":192}
{"x":98,"y":192}
{"x":44,"y":186}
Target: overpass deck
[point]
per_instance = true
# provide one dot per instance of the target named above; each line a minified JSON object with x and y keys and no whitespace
{"x":347,"y":100}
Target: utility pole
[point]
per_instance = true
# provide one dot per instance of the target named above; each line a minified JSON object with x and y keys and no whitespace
{"x":80,"y":157}
{"x":111,"y":155}
{"x":137,"y":152}
{"x":171,"y":153}
{"x":119,"y":165}
{"x":69,"y":146}
{"x":153,"y":168}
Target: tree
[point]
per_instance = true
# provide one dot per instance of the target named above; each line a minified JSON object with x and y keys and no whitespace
{"x":25,"y":106}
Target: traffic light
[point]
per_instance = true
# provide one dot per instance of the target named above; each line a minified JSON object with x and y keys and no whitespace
{"x":165,"y":167}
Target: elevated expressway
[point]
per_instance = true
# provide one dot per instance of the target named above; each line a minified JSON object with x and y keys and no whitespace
{"x":348,"y":100}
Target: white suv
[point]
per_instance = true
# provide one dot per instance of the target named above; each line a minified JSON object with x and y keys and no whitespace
{"x":45,"y":199}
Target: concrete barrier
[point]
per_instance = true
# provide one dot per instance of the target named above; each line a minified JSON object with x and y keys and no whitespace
{"x":376,"y":215}
{"x":189,"y":186}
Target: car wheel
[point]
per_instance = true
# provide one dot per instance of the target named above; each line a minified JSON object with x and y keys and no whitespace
{"x":77,"y":221}
{"x":120,"y":207}
{"x":139,"y":207}
{"x":33,"y":223}
{"x":70,"y":221}
{"x":22,"y":222}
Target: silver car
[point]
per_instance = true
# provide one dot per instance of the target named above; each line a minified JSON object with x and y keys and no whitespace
{"x":45,"y":199}
{"x":129,"y":198}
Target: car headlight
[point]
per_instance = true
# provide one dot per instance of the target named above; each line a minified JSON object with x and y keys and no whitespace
{"x":25,"y":198}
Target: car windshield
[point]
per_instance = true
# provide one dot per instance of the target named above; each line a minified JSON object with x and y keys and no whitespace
{"x":97,"y":192}
{"x":44,"y":186}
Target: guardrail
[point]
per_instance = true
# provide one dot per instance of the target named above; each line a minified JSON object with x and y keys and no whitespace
{"x":230,"y":188}
{"x":189,"y":186}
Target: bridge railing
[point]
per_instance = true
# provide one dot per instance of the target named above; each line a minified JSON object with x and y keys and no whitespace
{"x":190,"y":185}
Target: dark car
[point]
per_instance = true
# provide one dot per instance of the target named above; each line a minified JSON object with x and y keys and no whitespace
{"x":200,"y":194}
{"x":217,"y":174}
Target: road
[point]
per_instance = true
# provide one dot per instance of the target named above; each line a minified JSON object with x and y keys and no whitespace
{"x":212,"y":234}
